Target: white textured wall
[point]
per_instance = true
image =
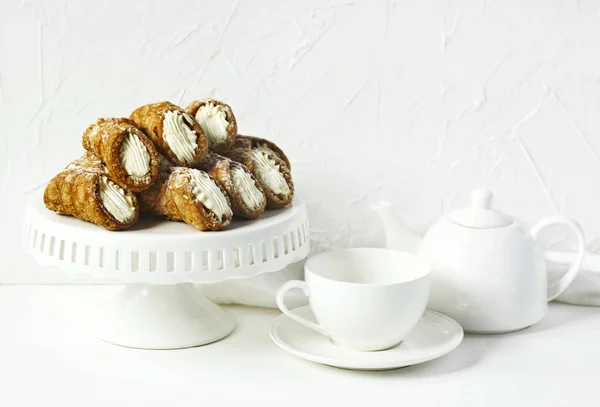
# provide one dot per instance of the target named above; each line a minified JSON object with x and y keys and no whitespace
{"x":418,"y":102}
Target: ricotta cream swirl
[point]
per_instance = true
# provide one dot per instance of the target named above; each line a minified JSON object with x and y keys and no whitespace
{"x":267,"y":172}
{"x":180,"y":138}
{"x":209,"y":194}
{"x":116,"y":201}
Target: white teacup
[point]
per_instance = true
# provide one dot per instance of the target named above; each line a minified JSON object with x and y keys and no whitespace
{"x":363,"y":299}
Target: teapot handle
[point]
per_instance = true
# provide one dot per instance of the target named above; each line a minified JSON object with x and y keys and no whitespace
{"x":556,"y":288}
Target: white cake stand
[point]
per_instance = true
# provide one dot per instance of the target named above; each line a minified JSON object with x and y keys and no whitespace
{"x":159,"y":261}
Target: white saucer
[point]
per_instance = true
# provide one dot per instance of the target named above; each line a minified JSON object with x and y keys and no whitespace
{"x":433,"y":336}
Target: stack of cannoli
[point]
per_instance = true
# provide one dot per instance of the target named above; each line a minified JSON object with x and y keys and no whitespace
{"x":187,"y":165}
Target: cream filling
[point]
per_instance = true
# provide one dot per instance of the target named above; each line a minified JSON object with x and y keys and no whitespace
{"x":264,"y":147}
{"x":251,"y":196}
{"x":209,"y":194}
{"x":134,"y":156}
{"x":116,"y":201}
{"x":213,"y":120}
{"x":180,"y":138}
{"x":267,"y":172}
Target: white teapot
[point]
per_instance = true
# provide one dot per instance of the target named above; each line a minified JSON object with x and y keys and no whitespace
{"x":488,"y":273}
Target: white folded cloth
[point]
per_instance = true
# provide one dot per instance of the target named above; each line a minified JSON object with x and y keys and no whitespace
{"x":258,"y":291}
{"x":585,"y":289}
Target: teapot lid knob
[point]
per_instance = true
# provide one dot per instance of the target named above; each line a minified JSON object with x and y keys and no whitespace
{"x":482,"y":199}
{"x":480,"y":215}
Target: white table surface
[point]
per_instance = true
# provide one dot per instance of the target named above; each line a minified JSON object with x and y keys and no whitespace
{"x":47,"y":357}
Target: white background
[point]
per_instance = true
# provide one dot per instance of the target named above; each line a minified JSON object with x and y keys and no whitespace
{"x":417,"y":102}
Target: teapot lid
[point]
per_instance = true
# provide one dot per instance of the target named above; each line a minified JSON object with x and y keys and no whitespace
{"x":480,"y":215}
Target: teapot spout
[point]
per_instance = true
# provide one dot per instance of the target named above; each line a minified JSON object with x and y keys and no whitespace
{"x":397,"y":234}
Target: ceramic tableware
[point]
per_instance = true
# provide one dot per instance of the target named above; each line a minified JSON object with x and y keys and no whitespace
{"x":487,"y":271}
{"x":434,"y":336}
{"x":363,"y":299}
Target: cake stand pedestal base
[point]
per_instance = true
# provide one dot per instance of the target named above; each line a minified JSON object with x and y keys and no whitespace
{"x":150,"y":316}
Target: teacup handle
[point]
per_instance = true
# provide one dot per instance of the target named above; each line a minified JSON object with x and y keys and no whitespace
{"x":280,"y":299}
{"x":555,"y":289}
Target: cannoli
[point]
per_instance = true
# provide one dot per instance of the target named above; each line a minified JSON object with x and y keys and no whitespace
{"x":271,"y":172}
{"x":127,"y":153}
{"x":189,"y":195}
{"x":88,"y":193}
{"x":217,"y":121}
{"x":244,"y":191}
{"x":261,"y":144}
{"x":175,"y":133}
